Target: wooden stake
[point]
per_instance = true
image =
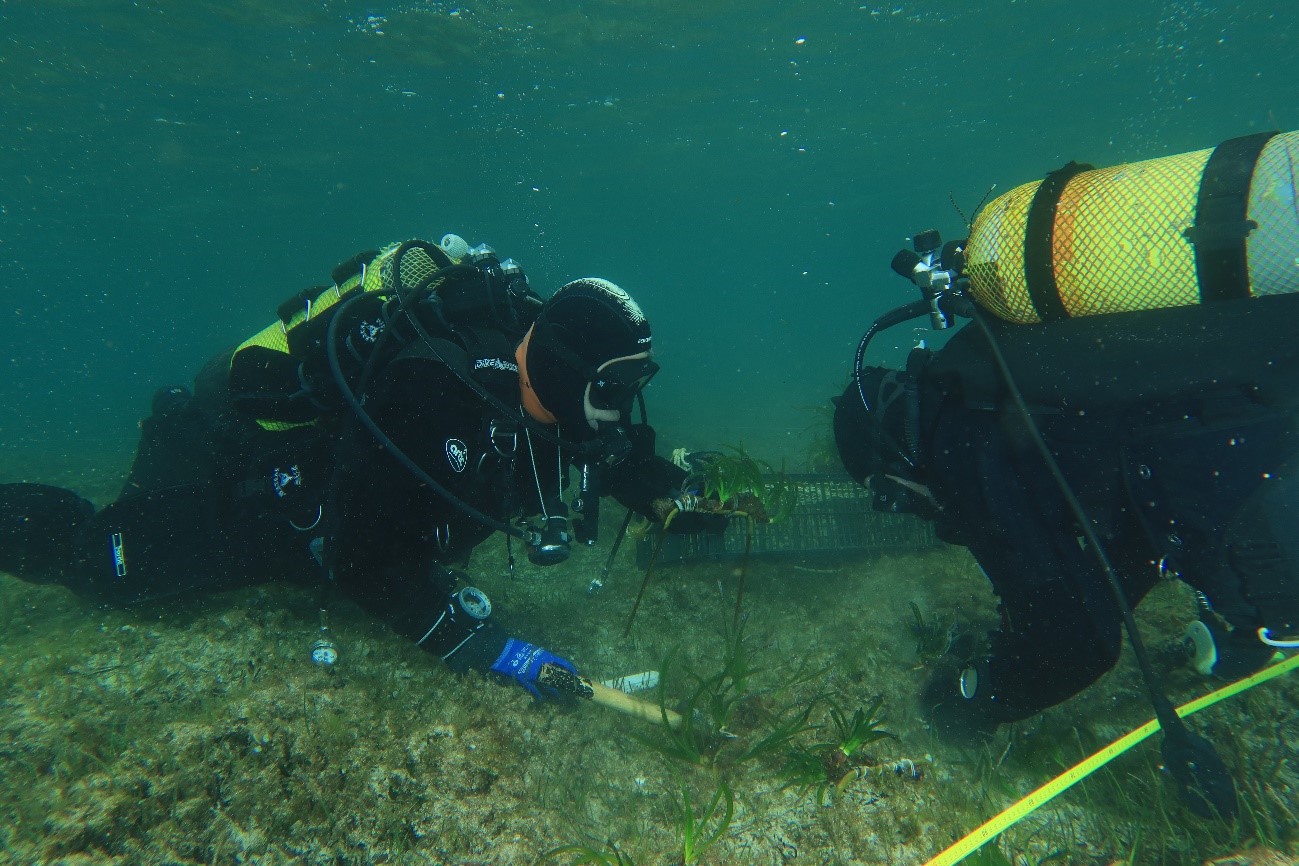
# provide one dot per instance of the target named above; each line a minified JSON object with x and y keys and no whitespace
{"x":563,"y":680}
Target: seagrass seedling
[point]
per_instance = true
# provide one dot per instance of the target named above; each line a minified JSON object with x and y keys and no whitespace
{"x":704,"y":736}
{"x":743,"y":483}
{"x":832,"y":765}
{"x":933,"y":636}
{"x":701,"y":832}
{"x":608,"y":854}
{"x":862,"y":728}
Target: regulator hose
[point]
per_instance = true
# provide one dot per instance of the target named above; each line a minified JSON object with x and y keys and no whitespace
{"x":905,"y":313}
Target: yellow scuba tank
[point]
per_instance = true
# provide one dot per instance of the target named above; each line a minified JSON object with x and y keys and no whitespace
{"x":283,"y":376}
{"x":268,"y":377}
{"x":1188,"y":229}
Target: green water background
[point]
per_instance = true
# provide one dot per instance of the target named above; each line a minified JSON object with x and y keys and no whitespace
{"x":171,"y":171}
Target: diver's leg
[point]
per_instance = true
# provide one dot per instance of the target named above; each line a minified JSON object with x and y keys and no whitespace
{"x":39,"y":526}
{"x":140,"y":548}
{"x":1263,"y":550}
{"x":1061,"y":625}
{"x":1054,"y":641}
{"x":173,"y":541}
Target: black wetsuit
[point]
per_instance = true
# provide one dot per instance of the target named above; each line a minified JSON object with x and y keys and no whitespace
{"x":215,"y":501}
{"x":1176,"y":430}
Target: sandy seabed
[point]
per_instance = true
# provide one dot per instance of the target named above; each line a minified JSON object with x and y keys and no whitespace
{"x":199,"y":732}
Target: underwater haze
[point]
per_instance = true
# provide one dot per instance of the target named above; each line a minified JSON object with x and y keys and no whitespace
{"x":170,"y":172}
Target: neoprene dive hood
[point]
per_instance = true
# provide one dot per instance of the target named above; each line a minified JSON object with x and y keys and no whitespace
{"x":586,"y":356}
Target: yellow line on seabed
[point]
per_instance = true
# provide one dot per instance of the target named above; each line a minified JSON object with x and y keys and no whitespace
{"x":991,"y":828}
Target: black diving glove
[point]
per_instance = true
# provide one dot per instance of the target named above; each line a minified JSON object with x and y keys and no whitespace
{"x":644,"y":481}
{"x":695,"y":522}
{"x":643,"y":439}
{"x":691,"y":514}
{"x":955,"y":700}
{"x":952,"y":704}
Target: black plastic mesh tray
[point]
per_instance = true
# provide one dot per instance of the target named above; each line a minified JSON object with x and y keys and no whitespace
{"x":833,"y":516}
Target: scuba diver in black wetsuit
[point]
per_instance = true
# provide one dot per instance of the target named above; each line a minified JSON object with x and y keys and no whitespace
{"x":1196,"y":479}
{"x":377,"y":433}
{"x":1128,"y":412}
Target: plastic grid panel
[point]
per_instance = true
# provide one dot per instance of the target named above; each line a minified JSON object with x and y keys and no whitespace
{"x":833,"y":516}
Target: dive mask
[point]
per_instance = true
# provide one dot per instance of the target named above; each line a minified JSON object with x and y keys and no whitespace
{"x":617,"y":382}
{"x":614,"y":384}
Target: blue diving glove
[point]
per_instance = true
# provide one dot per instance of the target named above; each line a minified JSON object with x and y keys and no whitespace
{"x":522,"y":662}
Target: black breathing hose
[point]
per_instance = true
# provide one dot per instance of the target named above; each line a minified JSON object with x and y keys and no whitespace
{"x":902,"y":314}
{"x":482,"y":393}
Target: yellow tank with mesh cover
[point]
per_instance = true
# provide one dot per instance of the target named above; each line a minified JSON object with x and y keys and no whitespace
{"x":378,"y":277}
{"x":265,"y":359}
{"x":1180,"y":230}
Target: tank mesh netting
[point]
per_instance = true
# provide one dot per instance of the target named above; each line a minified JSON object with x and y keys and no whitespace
{"x":1119,"y":242}
{"x":995,"y":256}
{"x":833,"y":516}
{"x":416,"y":264}
{"x":1273,"y":247}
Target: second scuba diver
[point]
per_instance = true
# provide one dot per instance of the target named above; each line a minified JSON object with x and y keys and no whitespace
{"x":1171,"y":412}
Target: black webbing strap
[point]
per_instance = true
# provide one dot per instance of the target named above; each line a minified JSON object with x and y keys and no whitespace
{"x":1221,"y":225}
{"x":1039,"y":238}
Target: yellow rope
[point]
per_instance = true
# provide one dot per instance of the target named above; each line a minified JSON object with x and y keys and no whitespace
{"x":993,"y":827}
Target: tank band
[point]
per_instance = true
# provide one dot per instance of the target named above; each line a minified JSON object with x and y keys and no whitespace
{"x":1221,"y":223}
{"x":1039,"y":242}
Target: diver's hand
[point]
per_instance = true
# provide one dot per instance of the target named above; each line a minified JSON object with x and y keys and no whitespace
{"x":642,"y":438}
{"x":694,"y":522}
{"x":522,"y":662}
